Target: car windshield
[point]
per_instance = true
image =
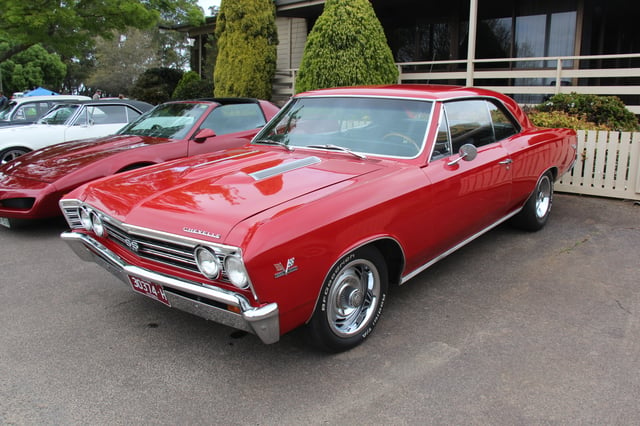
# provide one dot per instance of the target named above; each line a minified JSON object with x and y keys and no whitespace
{"x":171,"y":121}
{"x":365,"y":125}
{"x":59,"y":114}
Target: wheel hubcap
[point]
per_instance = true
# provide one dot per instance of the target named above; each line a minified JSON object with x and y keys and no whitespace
{"x":353,"y":298}
{"x":543,"y":197}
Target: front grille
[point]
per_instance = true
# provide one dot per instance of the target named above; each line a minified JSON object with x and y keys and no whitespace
{"x":18,"y":203}
{"x":72,"y":214}
{"x":168,"y":249}
{"x":176,"y":255}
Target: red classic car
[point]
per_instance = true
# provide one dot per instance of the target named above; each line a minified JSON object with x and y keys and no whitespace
{"x":345,"y":192}
{"x":32,"y":184}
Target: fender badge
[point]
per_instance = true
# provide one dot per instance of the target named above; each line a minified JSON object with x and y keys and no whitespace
{"x":281,"y":271}
{"x":200,"y":232}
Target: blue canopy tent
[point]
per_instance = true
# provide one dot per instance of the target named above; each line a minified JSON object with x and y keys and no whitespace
{"x":40,"y":91}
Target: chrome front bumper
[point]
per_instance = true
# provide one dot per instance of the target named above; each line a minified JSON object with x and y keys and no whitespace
{"x":263,"y":322}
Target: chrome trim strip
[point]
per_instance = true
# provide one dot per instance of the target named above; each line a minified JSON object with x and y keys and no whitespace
{"x":263,"y":322}
{"x":283,"y":168}
{"x":455,"y":248}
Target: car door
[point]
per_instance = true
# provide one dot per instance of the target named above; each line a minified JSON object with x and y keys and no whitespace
{"x":467,"y":196}
{"x":233,"y":124}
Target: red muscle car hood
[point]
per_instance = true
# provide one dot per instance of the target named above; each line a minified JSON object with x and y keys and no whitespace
{"x":51,"y":163}
{"x":209,"y":195}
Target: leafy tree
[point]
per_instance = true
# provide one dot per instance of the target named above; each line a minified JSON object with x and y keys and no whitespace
{"x":156,"y":85}
{"x":120,"y":60}
{"x":247,"y":48}
{"x":66,"y":27}
{"x":346,"y":47}
{"x":31,"y":68}
{"x":191,"y":86}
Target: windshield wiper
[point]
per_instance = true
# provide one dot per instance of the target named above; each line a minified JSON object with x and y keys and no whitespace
{"x":339,"y":148}
{"x":272,"y":142}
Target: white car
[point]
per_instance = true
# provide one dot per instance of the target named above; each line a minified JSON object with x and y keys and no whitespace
{"x":65,"y":122}
{"x":27,"y":110}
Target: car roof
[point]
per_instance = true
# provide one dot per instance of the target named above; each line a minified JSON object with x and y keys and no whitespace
{"x":53,"y":98}
{"x":226,"y":101}
{"x":420,"y":91}
{"x":143,"y":106}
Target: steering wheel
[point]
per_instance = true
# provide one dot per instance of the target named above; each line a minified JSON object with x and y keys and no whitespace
{"x":403,"y":137}
{"x":156,"y":127}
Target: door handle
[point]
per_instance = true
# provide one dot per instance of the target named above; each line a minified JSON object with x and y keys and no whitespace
{"x":507,"y":161}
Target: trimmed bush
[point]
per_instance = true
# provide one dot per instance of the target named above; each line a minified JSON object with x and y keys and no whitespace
{"x":247,"y":48}
{"x":191,"y":86}
{"x":608,"y":111}
{"x":346,"y":47}
{"x":563,"y":120}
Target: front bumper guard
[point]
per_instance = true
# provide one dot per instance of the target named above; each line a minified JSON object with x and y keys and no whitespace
{"x":264,"y":322}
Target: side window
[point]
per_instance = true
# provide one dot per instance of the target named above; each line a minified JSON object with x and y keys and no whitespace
{"x":107,"y":114}
{"x":132,"y":114}
{"x":442,"y":146}
{"x":503,"y":127}
{"x":234,"y":118}
{"x":469,"y":122}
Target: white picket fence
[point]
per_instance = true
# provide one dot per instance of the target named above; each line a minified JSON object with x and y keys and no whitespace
{"x":608,"y":165}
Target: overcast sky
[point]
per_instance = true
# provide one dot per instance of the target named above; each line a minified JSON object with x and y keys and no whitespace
{"x":205,"y":4}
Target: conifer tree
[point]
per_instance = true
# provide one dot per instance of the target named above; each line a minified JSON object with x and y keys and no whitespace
{"x":346,"y":47}
{"x":247,"y":48}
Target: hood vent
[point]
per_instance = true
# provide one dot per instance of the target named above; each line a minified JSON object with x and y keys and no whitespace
{"x":283,"y":168}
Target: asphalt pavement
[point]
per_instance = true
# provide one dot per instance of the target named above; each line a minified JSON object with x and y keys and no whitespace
{"x":514,"y":329}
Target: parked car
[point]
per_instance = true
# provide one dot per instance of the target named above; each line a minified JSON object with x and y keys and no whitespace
{"x":27,"y":110}
{"x":31,"y":185}
{"x":345,"y":192}
{"x":65,"y":122}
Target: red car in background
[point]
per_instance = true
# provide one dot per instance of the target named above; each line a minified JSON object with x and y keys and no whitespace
{"x":31,"y":185}
{"x":345,"y":192}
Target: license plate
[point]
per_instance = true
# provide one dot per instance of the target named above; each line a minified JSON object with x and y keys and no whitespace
{"x":5,"y":222}
{"x":149,"y":289}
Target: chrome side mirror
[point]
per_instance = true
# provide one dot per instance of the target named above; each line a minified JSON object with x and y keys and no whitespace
{"x":467,"y":152}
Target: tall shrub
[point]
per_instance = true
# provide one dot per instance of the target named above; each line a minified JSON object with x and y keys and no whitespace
{"x":346,"y":47}
{"x":247,"y":48}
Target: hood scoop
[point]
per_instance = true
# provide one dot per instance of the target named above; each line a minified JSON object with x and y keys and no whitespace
{"x":283,"y":168}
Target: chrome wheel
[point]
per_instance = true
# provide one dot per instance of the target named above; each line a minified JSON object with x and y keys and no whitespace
{"x":350,"y":301}
{"x":543,"y":197}
{"x":11,"y":154}
{"x":353,"y":298}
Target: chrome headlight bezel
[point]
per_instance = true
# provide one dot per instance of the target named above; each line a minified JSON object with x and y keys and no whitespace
{"x":207,"y":262}
{"x":97,"y":226}
{"x":85,"y":218}
{"x":236,"y":272}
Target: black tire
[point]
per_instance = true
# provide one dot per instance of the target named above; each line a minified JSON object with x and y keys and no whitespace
{"x":10,"y":154}
{"x":535,"y":213}
{"x":351,"y":301}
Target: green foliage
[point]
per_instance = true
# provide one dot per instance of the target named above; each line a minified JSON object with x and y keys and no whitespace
{"x":156,"y":85}
{"x":69,"y":27}
{"x":561,"y":119}
{"x":247,"y":48}
{"x":608,"y":111}
{"x":191,"y":86}
{"x":346,"y":47}
{"x":32,"y":68}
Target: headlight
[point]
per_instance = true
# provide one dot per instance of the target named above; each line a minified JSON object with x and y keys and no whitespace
{"x":207,"y":262}
{"x":96,"y":224}
{"x":236,"y":272}
{"x":85,"y":218}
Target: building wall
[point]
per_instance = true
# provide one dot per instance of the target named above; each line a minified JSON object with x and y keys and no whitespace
{"x":292,"y":36}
